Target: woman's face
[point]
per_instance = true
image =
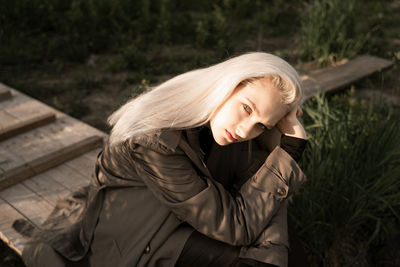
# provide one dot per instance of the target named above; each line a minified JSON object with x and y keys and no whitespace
{"x":250,"y":110}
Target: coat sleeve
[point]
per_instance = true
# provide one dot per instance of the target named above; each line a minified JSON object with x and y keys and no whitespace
{"x":273,"y":243}
{"x":206,"y":205}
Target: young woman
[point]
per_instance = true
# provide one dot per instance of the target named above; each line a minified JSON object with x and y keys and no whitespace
{"x":191,"y":175}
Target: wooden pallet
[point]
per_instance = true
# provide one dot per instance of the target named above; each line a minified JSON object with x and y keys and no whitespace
{"x":21,"y":113}
{"x":5,"y":92}
{"x":34,"y":199}
{"x":335,"y":78}
{"x":55,"y":151}
{"x":27,"y":149}
{"x":59,"y":154}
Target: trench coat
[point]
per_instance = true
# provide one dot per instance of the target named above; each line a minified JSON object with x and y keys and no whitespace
{"x":149,"y":193}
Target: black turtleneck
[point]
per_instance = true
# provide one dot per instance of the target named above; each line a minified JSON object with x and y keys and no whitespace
{"x":292,"y":145}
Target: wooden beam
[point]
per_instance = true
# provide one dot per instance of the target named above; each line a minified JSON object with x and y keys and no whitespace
{"x":34,"y":199}
{"x":334,"y":78}
{"x":5,"y":93}
{"x":19,"y":127}
{"x":19,"y":202}
{"x":25,"y":170}
{"x":8,"y":214}
{"x":22,"y":113}
{"x":56,"y":183}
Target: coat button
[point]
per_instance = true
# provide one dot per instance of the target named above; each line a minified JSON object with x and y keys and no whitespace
{"x":147,"y":250}
{"x":281,"y":191}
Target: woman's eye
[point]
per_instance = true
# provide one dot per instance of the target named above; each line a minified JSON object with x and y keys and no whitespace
{"x":247,"y":108}
{"x":262,"y":126}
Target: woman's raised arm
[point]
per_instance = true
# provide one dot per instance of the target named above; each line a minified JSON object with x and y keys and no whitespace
{"x":206,"y":205}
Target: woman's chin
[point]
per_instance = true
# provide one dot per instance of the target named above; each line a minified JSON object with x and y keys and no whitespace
{"x":221,"y":141}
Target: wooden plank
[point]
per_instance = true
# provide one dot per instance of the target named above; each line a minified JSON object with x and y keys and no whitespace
{"x":334,"y":78}
{"x":6,"y":119}
{"x":23,"y":107}
{"x":41,"y":141}
{"x":5,"y":92}
{"x":19,"y":202}
{"x":27,"y":202}
{"x":76,"y":172}
{"x":68,"y":177}
{"x":18,"y":127}
{"x":8,"y":215}
{"x":22,"y":113}
{"x":85,"y":164}
{"x":34,"y":198}
{"x":47,"y":188}
{"x":26,"y":169}
{"x":56,"y":183}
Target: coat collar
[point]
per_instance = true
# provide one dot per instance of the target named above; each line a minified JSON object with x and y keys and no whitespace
{"x":169,"y":140}
{"x":188,"y":141}
{"x":191,"y":147}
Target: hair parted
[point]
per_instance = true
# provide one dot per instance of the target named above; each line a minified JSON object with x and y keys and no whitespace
{"x":190,"y":99}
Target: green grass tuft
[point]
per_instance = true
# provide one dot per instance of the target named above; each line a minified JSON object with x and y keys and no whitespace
{"x":349,"y":207}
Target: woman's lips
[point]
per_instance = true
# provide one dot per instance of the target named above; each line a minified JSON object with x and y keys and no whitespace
{"x":230,"y":137}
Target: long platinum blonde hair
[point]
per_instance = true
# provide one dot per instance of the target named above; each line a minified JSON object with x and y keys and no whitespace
{"x":190,"y":99}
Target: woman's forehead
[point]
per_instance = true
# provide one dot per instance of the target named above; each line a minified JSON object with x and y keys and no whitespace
{"x":266,"y":98}
{"x":260,"y":90}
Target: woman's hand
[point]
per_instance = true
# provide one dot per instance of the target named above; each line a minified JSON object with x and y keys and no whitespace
{"x":290,"y":124}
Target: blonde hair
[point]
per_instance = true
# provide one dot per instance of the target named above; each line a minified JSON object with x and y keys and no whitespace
{"x":190,"y":99}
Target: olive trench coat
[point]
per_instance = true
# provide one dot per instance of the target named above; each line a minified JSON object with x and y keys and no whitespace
{"x":149,"y":193}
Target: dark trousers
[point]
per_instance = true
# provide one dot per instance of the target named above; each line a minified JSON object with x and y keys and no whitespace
{"x":202,"y":251}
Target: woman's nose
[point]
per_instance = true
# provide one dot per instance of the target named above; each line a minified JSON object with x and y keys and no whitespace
{"x":244,"y":130}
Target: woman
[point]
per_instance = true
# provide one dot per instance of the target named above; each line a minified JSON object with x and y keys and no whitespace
{"x":181,"y":183}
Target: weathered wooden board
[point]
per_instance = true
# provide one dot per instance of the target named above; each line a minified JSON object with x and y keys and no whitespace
{"x":22,"y":113}
{"x":19,"y":202}
{"x":85,"y":163}
{"x":26,"y":151}
{"x":8,"y":215}
{"x":19,"y":168}
{"x":47,"y":188}
{"x":27,"y":202}
{"x":77,"y":172}
{"x":14,"y":126}
{"x":334,"y":78}
{"x":35,"y":198}
{"x":56,"y":183}
{"x":5,"y":92}
{"x":42,"y":148}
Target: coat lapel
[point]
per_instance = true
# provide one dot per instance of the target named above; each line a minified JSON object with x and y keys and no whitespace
{"x":191,"y":147}
{"x":188,"y":141}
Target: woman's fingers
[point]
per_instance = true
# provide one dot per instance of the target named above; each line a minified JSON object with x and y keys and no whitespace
{"x":299,"y":112}
{"x":291,"y":126}
{"x":295,"y":113}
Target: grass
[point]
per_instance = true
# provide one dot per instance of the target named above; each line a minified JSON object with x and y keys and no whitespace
{"x":349,"y":208}
{"x":333,"y":29}
{"x":74,"y":30}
